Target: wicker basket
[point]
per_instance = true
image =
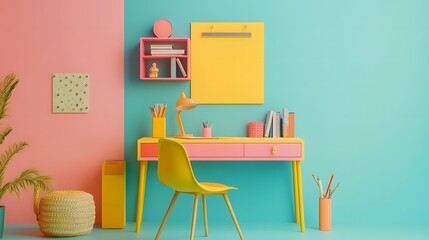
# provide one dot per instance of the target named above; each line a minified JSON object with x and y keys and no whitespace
{"x":66,"y":213}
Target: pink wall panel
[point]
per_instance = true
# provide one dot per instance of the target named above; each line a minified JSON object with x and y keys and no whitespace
{"x":39,"y":38}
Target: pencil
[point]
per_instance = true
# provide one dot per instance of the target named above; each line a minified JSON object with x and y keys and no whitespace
{"x":163,"y":108}
{"x":335,"y":188}
{"x":314,"y":177}
{"x":152,"y":111}
{"x":320,"y":188}
{"x":329,"y":185}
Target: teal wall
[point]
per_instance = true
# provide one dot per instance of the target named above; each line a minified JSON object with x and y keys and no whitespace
{"x":356,"y":75}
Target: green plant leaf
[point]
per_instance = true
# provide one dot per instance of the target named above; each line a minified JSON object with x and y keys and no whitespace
{"x":28,"y":178}
{"x":4,"y":133}
{"x":6,"y":156}
{"x":6,"y":87}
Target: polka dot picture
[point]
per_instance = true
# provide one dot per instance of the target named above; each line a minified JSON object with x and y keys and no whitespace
{"x":70,"y":93}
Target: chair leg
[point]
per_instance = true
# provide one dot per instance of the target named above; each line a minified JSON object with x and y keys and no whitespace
{"x":173,"y":200}
{"x":194,"y":215}
{"x":206,"y":226}
{"x":225,"y":196}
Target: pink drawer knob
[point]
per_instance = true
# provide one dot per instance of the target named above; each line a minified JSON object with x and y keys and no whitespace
{"x":274,"y":150}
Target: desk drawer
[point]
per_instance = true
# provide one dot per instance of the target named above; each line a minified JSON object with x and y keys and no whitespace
{"x":287,"y":151}
{"x":214,"y":150}
{"x":149,"y":150}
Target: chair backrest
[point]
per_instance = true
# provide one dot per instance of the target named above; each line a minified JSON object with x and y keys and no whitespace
{"x":174,"y":168}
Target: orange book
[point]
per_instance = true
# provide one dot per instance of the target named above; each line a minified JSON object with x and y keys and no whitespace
{"x":291,"y":124}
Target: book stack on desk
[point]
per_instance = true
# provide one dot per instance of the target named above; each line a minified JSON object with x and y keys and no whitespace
{"x":279,"y":124}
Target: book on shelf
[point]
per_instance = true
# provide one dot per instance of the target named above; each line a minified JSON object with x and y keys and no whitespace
{"x":173,"y":67}
{"x":268,"y":123}
{"x":182,"y":69}
{"x":161,"y":46}
{"x":167,"y":51}
{"x":276,"y":125}
{"x":279,"y":124}
{"x":285,"y":122}
{"x":291,"y":124}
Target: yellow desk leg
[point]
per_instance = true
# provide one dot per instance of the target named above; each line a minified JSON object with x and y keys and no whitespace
{"x":301,"y":198}
{"x":295,"y":191}
{"x":140,"y":197}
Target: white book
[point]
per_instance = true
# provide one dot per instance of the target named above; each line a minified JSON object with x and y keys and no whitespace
{"x":161,"y":46}
{"x":167,"y":52}
{"x":173,"y":67}
{"x":268,"y":123}
{"x":276,"y":125}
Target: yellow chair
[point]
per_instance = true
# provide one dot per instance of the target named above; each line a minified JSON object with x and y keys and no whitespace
{"x":175,"y":171}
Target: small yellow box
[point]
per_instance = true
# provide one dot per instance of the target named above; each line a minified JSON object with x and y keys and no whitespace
{"x":158,"y":127}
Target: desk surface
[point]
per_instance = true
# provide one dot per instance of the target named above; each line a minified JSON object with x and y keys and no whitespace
{"x":226,"y":140}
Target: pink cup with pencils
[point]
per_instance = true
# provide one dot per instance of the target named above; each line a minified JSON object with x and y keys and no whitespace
{"x":207,"y":129}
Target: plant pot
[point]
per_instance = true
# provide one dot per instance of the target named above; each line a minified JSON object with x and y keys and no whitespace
{"x":2,"y":211}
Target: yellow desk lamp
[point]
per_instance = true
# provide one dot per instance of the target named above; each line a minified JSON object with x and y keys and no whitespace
{"x":183,"y":103}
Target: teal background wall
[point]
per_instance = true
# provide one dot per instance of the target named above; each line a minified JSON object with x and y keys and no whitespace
{"x":356,"y":75}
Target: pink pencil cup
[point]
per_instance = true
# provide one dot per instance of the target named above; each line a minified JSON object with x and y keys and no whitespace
{"x":325,"y":214}
{"x":255,"y":129}
{"x":206,"y":132}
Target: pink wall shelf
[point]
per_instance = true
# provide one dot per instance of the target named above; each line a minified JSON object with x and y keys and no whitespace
{"x":171,"y":56}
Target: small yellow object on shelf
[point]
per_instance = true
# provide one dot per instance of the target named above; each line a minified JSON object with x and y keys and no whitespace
{"x":153,"y":71}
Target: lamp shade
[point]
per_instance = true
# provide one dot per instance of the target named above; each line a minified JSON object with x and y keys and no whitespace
{"x":185,"y":103}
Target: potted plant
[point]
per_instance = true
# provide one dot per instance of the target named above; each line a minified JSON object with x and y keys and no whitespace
{"x":30,"y":177}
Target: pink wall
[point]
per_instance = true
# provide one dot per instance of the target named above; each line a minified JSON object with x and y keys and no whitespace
{"x":37,"y":39}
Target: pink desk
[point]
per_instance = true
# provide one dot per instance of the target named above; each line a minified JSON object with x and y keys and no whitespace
{"x":230,"y":149}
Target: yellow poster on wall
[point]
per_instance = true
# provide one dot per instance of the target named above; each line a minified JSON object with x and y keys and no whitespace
{"x":227,"y":60}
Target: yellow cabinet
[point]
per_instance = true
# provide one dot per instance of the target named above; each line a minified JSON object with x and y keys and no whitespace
{"x":113,"y":194}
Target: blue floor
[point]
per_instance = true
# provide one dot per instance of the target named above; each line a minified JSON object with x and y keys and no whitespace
{"x":228,"y":232}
